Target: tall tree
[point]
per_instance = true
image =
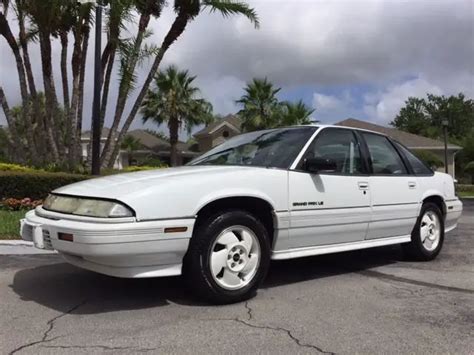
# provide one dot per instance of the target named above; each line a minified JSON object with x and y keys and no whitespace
{"x":295,"y":113}
{"x":261,"y":107}
{"x":412,"y":117}
{"x":6,"y":32}
{"x":173,"y":101}
{"x":119,"y":14}
{"x":186,"y":11}
{"x":425,"y":116}
{"x":54,"y":134}
{"x":45,"y":17}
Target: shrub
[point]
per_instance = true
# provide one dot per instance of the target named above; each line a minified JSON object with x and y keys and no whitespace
{"x":15,"y":167}
{"x":151,"y":161}
{"x":13,"y":204}
{"x":465,"y":188}
{"x":33,"y":185}
{"x":469,"y":168}
{"x":130,"y":169}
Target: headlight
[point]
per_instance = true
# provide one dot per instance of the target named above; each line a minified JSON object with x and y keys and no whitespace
{"x":86,"y":207}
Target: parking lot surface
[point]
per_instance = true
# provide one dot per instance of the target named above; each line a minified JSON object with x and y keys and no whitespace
{"x":368,"y":302}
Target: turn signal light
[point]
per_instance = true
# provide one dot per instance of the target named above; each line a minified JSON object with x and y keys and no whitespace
{"x":176,"y":229}
{"x":66,"y":237}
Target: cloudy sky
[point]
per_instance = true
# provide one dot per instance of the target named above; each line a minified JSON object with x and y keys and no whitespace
{"x":345,"y":58}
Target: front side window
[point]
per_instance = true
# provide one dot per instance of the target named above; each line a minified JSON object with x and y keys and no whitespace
{"x":419,"y":168}
{"x":274,"y":148}
{"x":339,"y":146}
{"x":385,"y":158}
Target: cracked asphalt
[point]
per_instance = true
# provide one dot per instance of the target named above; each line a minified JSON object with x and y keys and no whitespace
{"x":367,"y":302}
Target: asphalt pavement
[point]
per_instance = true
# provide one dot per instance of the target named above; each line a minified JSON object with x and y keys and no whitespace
{"x":366,"y":302}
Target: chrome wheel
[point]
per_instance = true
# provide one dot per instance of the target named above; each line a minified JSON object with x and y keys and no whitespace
{"x":235,"y":257}
{"x":430,"y":230}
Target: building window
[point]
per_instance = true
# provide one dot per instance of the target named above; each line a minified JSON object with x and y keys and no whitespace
{"x":225,"y":134}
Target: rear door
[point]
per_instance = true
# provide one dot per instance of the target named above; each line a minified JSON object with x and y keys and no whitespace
{"x":330,"y":208}
{"x":395,"y":194}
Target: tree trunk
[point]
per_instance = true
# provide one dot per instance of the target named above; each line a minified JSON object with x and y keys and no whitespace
{"x":50,"y":94}
{"x":130,"y":158}
{"x":36,"y":137}
{"x":177,"y":28}
{"x":106,"y":87}
{"x":64,"y":77}
{"x":26,"y":54}
{"x":15,"y":140}
{"x":6,"y":32}
{"x":174,"y":130}
{"x":80,"y":108}
{"x":76,"y":62}
{"x":124,"y":90}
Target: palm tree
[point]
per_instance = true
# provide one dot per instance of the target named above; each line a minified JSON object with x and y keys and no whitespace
{"x":261,"y":108}
{"x":173,"y":101}
{"x":130,"y":144}
{"x":296,"y":113}
{"x":186,"y":11}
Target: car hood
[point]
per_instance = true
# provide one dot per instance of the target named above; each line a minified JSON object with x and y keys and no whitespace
{"x":120,"y":185}
{"x":174,"y":192}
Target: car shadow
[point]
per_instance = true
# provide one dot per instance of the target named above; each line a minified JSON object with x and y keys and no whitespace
{"x":63,"y":287}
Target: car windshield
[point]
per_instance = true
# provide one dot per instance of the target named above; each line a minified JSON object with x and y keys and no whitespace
{"x":274,"y":148}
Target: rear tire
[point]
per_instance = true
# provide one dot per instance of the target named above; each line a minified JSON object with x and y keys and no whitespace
{"x":228,"y":257}
{"x":428,"y":234}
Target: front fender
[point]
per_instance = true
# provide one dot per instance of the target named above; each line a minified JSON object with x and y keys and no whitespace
{"x":229,"y":193}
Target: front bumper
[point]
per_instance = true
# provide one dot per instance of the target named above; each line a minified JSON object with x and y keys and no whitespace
{"x":453,"y":213}
{"x":123,"y":249}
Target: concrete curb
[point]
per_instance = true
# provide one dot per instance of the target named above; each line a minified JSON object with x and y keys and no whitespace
{"x":15,"y":242}
{"x":21,"y":247}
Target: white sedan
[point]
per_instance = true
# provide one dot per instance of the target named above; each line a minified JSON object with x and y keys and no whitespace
{"x":274,"y":194}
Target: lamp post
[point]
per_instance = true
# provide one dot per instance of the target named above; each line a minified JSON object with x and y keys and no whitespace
{"x":96,"y":133}
{"x":445,"y":132}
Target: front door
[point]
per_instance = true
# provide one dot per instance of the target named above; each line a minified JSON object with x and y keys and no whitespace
{"x":395,"y":192}
{"x":330,"y":208}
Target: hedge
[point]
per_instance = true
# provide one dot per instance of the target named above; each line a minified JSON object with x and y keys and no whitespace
{"x":34,"y":185}
{"x":464,"y":188}
{"x":16,"y":167}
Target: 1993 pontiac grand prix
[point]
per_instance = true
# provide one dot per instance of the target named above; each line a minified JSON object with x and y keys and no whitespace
{"x":275,"y":194}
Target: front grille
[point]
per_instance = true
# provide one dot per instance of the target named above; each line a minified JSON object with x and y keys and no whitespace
{"x":27,"y":232}
{"x":47,"y":240}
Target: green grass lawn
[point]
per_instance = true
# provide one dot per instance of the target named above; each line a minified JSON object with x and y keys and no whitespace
{"x":10,"y":224}
{"x":465,"y":193}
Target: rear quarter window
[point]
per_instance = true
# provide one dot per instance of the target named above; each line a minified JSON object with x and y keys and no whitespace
{"x":419,"y":167}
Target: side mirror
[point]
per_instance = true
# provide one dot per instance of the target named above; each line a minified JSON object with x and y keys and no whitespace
{"x":320,"y":165}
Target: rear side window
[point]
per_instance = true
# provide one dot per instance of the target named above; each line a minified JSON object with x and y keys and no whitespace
{"x":418,"y":166}
{"x":384,"y":156}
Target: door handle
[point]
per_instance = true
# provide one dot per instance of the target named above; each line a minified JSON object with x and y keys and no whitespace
{"x":363,"y":185}
{"x":411,"y":184}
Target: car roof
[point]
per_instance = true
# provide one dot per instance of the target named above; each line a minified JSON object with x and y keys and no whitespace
{"x":321,"y":126}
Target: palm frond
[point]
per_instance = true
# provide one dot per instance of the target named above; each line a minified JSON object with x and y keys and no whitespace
{"x":229,"y":8}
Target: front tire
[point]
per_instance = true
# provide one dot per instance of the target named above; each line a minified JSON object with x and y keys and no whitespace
{"x":228,"y":257}
{"x":428,"y":234}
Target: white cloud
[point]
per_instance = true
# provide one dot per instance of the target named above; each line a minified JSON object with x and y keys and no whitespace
{"x":334,"y":108}
{"x":335,"y":42}
{"x":326,"y":102}
{"x":384,"y":105}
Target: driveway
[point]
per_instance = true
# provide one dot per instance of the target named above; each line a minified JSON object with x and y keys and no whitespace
{"x":359,"y":302}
